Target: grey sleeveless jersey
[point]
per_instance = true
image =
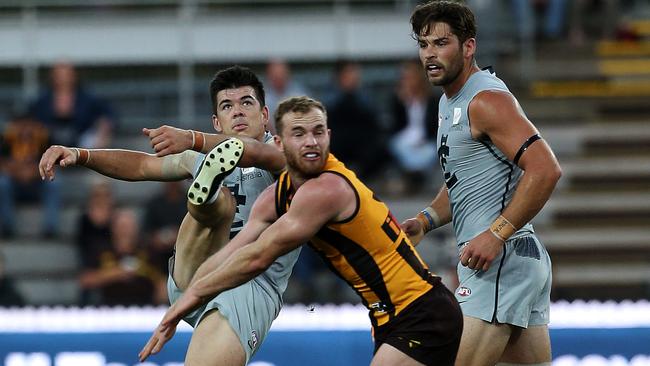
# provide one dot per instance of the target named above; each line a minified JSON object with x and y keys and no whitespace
{"x":246,"y":184}
{"x":480,"y":178}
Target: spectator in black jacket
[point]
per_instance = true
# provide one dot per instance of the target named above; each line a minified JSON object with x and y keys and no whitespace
{"x":414,"y":123}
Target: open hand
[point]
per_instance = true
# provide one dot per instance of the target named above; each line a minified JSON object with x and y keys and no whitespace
{"x":167,"y":327}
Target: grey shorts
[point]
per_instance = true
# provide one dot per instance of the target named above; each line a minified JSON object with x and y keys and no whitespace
{"x":515,"y":290}
{"x":248,"y":308}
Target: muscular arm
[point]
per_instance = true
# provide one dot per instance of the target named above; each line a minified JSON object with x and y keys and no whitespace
{"x":167,"y":140}
{"x":121,"y":164}
{"x":319,"y":201}
{"x":139,"y":166}
{"x":256,"y":153}
{"x":498,"y":116}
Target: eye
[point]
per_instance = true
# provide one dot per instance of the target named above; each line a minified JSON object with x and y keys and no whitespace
{"x":422,"y":44}
{"x":247,"y":102}
{"x":225,"y":107}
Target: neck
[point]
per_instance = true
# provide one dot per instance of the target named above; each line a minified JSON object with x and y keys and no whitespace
{"x":454,"y":87}
{"x":297,"y":179}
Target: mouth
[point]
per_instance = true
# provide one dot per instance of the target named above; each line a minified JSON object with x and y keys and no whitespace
{"x":434,"y":69}
{"x":239,"y":127}
{"x":311,"y":155}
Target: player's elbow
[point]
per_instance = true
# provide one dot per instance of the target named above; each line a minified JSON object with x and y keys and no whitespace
{"x":553,"y":173}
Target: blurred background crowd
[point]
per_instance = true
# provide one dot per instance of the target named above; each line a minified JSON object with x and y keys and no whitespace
{"x":93,"y":73}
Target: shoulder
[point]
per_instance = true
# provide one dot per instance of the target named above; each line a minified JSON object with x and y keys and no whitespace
{"x":268,"y":194}
{"x":329,"y":187}
{"x":265,"y":202}
{"x":492,"y":104}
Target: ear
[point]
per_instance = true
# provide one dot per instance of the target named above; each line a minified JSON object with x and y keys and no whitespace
{"x":278,"y":142}
{"x":265,"y":117}
{"x":469,"y":48}
{"x":216,"y":124}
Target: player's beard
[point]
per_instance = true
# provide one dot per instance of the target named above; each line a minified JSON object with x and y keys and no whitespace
{"x":452,"y":71}
{"x":306,"y":169}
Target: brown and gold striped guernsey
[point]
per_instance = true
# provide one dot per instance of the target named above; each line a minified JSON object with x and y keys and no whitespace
{"x":368,"y":250}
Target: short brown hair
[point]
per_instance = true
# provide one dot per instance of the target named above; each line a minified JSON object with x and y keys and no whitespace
{"x":301,"y":104}
{"x":457,"y":15}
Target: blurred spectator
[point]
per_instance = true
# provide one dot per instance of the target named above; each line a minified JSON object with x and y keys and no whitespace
{"x":122,"y":274}
{"x":414,"y":114}
{"x":74,"y":116}
{"x":9,"y":294}
{"x":279,"y":86}
{"x":163,"y":215}
{"x":94,"y":235}
{"x":21,"y":145}
{"x":527,"y":14}
{"x":357,"y":137}
{"x":607,"y":21}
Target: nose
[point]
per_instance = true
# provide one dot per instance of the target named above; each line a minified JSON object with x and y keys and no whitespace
{"x":427,"y":53}
{"x":311,"y":140}
{"x":237,"y":110}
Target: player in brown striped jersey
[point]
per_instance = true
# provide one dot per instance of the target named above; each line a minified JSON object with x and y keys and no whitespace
{"x":415,"y":319}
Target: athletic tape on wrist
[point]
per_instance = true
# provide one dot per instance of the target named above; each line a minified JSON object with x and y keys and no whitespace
{"x":198,"y":141}
{"x":502,"y":228}
{"x":429,"y":219}
{"x":84,"y":156}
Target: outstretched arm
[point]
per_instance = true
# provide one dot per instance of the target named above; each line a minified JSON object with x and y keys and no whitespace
{"x":497,"y":116}
{"x":319,"y":201}
{"x":119,"y":164}
{"x":167,"y":140}
{"x":437,"y":214}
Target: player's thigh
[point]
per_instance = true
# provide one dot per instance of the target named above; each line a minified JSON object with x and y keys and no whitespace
{"x":388,"y":355}
{"x":528,"y":346}
{"x":214,"y":343}
{"x":482,"y":343}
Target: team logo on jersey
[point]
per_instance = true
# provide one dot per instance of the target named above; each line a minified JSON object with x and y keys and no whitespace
{"x":248,"y":170}
{"x":252,"y":343}
{"x":464,"y":291}
{"x":457,"y":114}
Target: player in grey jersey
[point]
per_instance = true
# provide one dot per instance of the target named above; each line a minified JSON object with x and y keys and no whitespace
{"x":498,"y":174}
{"x":230,"y":327}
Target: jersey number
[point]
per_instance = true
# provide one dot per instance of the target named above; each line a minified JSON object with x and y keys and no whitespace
{"x":240,"y":199}
{"x":443,"y":153}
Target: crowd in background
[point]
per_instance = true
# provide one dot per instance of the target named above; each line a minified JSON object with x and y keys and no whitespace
{"x":123,"y":256}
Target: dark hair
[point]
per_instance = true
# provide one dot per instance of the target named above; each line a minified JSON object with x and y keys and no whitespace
{"x":302,"y":104}
{"x":457,"y":15}
{"x":235,"y":77}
